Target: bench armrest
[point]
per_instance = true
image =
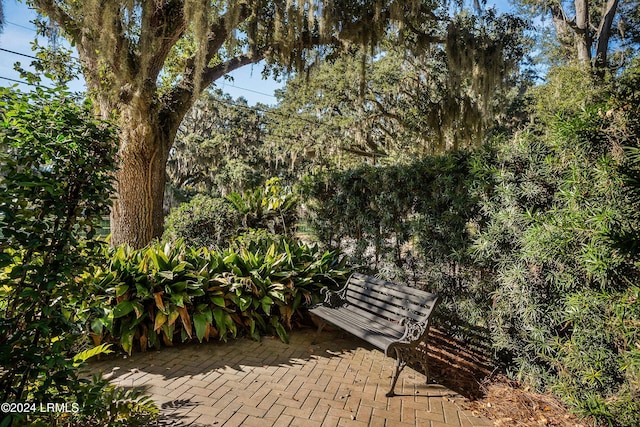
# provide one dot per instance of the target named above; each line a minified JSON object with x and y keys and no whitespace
{"x":334,"y":299}
{"x":413,"y":330}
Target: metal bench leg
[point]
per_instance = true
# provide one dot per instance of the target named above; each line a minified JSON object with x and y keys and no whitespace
{"x":425,"y":367}
{"x":400,"y":364}
{"x":321,"y":324}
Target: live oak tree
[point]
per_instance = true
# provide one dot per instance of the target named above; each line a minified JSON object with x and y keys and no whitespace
{"x":411,"y":104}
{"x":130,"y":49}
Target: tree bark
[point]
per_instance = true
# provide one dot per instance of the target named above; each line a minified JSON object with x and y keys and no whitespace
{"x":136,"y":214}
{"x":604,"y":33}
{"x":563,"y":29}
{"x":583,"y":35}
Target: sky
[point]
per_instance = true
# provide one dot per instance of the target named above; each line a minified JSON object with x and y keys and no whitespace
{"x":19,"y":32}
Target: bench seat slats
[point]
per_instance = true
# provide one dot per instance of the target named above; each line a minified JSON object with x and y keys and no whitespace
{"x":420,"y":302}
{"x":369,"y":320}
{"x":387,"y":295}
{"x":378,"y":333}
{"x":387,"y":311}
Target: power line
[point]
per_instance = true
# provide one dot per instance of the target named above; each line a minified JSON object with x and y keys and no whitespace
{"x":28,"y":56}
{"x":21,"y":26}
{"x":16,"y":81}
{"x":233,"y":86}
{"x":23,"y":82}
{"x":278,"y":113}
{"x":250,"y":90}
{"x":232,"y":104}
{"x":18,"y":53}
{"x":33,"y":57}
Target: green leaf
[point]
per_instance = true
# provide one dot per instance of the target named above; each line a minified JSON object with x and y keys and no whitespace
{"x":266,"y":303}
{"x":121,"y":289}
{"x":221,"y":324}
{"x":122,"y":309}
{"x":200,"y":321}
{"x":178,"y":299}
{"x":244,"y":302}
{"x":296,"y":301}
{"x":166,"y":275}
{"x":126,"y":341}
{"x":139,"y":309}
{"x":168,"y":331}
{"x":230,"y":258}
{"x":160,"y":320}
{"x":254,"y":331}
{"x":92,"y":352}
{"x":152,"y":338}
{"x":142,"y":291}
{"x":280,"y":330}
{"x":97,"y":326}
{"x":173,"y":316}
{"x":218,"y":300}
{"x":7,"y":421}
{"x":277,"y":294}
{"x":179,"y":286}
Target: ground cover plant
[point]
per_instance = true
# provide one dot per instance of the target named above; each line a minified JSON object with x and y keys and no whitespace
{"x":173,"y":292}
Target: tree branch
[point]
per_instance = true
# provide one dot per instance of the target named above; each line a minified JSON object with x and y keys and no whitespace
{"x":180,"y":99}
{"x":603,"y":35}
{"x":559,"y":18}
{"x":166,"y":25}
{"x":55,"y":12}
{"x":383,"y":111}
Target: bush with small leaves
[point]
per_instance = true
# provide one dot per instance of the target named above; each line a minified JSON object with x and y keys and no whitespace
{"x":531,"y":240}
{"x":56,"y":166}
{"x":204,"y":221}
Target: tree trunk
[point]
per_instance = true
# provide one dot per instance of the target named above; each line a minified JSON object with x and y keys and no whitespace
{"x":137,"y":211}
{"x":604,"y":33}
{"x":583,"y":36}
{"x":564,"y":34}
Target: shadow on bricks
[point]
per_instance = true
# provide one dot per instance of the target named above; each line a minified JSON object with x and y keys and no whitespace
{"x":340,"y":380}
{"x":193,"y":359}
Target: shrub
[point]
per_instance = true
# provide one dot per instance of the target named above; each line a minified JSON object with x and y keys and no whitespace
{"x":407,"y":222}
{"x":531,"y":240}
{"x":270,"y":207}
{"x":56,"y":163}
{"x":366,"y":211}
{"x":173,"y":292}
{"x":557,"y":207}
{"x":204,"y":221}
{"x":213,"y":222}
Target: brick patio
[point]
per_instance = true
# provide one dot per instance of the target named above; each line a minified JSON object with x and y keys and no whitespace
{"x":341,"y":381}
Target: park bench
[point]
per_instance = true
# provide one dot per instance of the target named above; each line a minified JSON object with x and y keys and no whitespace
{"x":391,"y":317}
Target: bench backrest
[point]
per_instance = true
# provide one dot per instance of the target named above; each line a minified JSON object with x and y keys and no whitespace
{"x":389,"y":300}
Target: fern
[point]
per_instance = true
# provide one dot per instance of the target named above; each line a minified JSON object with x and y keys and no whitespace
{"x":85,"y":355}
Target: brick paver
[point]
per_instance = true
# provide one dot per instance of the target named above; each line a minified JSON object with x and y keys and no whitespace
{"x":341,"y":381}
